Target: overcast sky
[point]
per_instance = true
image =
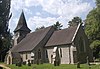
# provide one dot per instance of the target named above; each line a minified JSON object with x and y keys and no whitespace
{"x":46,"y":12}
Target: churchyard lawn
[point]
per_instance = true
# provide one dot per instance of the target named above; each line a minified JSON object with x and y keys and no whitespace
{"x":51,"y":66}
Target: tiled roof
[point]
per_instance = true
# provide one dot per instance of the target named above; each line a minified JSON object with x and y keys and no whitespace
{"x":36,"y":38}
{"x":31,"y":40}
{"x":62,"y":36}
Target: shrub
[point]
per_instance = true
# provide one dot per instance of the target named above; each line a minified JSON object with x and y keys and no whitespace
{"x":19,"y":64}
{"x":29,"y":64}
{"x":54,"y":63}
{"x":24,"y":63}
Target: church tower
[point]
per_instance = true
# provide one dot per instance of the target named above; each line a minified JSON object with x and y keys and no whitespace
{"x":21,"y":30}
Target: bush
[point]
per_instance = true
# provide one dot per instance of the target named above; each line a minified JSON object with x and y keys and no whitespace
{"x":54,"y":63}
{"x":32,"y":61}
{"x":29,"y":64}
{"x":37,"y":61}
{"x":57,"y":62}
{"x":19,"y":64}
{"x":24,"y":63}
{"x":16,"y":64}
{"x":40,"y":61}
{"x":78,"y":64}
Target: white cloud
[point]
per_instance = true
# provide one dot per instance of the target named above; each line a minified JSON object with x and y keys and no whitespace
{"x":12,"y":24}
{"x":20,"y":4}
{"x":36,"y":21}
{"x":16,"y":5}
{"x":57,"y":7}
{"x":94,"y":0}
{"x":29,"y":3}
{"x":65,"y":9}
{"x":38,"y":14}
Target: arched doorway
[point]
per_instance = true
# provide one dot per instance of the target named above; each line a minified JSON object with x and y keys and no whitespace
{"x":9,"y":60}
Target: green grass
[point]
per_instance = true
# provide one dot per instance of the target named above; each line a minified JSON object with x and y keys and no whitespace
{"x":1,"y":62}
{"x":51,"y":66}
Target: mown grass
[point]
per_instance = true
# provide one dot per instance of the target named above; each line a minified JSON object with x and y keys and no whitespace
{"x":51,"y":66}
{"x":1,"y":62}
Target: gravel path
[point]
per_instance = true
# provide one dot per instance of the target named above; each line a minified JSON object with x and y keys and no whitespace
{"x":4,"y":66}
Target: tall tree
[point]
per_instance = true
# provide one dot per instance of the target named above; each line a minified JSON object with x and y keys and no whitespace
{"x":92,"y":29}
{"x":4,"y":32}
{"x":57,"y":26}
{"x":75,"y":21}
{"x":98,"y":3}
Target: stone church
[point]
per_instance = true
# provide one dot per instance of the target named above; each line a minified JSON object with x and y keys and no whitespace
{"x":67,"y":46}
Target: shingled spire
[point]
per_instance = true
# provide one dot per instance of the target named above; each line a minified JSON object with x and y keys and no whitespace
{"x":22,"y":25}
{"x":21,"y":30}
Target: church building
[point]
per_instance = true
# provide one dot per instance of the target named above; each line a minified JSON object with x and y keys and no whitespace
{"x":47,"y":45}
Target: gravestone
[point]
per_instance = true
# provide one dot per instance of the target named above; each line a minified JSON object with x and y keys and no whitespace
{"x":29,"y":64}
{"x":78,"y":64}
{"x":55,"y":63}
{"x":88,"y":60}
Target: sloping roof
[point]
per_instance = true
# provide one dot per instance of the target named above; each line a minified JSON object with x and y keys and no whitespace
{"x":22,"y":25}
{"x":31,"y":40}
{"x":62,"y":36}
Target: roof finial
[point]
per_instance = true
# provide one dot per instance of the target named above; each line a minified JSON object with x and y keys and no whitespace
{"x":22,"y":11}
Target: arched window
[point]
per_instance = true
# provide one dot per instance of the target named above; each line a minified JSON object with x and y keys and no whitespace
{"x":9,"y":60}
{"x":81,"y":45}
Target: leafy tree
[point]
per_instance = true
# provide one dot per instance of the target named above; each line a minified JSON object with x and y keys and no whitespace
{"x":57,"y":26}
{"x":93,"y":25}
{"x":4,"y":16}
{"x":98,"y":3}
{"x":95,"y":46}
{"x":39,"y":28}
{"x":75,"y":21}
{"x":92,"y":29}
{"x":4,"y":32}
{"x":98,"y":6}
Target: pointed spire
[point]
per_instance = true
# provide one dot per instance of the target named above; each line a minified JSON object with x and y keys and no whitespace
{"x":22,"y":25}
{"x":22,"y":20}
